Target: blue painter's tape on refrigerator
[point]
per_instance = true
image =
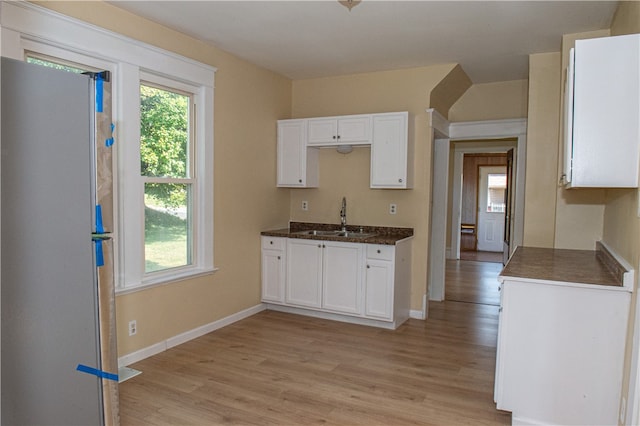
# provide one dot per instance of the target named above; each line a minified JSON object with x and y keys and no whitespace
{"x":109,"y":141}
{"x":99,"y":225}
{"x":99,"y":93}
{"x":99,"y":253}
{"x":102,"y":374}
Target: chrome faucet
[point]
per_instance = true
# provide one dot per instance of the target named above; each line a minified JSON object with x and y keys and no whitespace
{"x":343,"y":214}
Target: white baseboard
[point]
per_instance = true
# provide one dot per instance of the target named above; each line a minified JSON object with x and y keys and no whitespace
{"x":417,"y":314}
{"x":523,"y":421}
{"x":187,"y":335}
{"x":389,"y":325}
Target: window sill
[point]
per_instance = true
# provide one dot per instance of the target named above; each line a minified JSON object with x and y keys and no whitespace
{"x":165,"y":280}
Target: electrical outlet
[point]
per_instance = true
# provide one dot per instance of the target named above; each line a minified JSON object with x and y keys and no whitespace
{"x":133,"y":327}
{"x":305,"y":205}
{"x":393,"y":208}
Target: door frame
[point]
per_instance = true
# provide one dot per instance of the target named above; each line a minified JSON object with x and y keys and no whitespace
{"x":456,"y":211}
{"x":444,"y":133}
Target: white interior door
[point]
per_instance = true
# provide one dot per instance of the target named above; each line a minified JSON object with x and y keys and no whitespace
{"x":491,"y":207}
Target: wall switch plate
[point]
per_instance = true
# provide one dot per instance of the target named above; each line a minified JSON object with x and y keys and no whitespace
{"x":305,"y":205}
{"x":393,"y":208}
{"x":133,"y":327}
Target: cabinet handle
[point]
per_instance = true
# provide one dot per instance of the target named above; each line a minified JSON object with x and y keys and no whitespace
{"x":400,"y":180}
{"x":323,"y":246}
{"x":319,"y":245}
{"x":334,"y":136}
{"x":270,"y":242}
{"x":299,"y":180}
{"x":338,"y":136}
{"x":368,"y":266}
{"x":278,"y":257}
{"x":500,"y":309}
{"x":378,"y":251}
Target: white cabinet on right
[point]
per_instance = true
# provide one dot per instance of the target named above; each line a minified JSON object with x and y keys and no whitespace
{"x":602,"y":113}
{"x":387,"y":291}
{"x":391,"y":152}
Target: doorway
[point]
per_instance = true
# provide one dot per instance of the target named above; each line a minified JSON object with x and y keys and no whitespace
{"x":482,"y":206}
{"x":445,"y":220}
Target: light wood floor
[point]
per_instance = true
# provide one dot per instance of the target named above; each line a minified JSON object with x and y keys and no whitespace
{"x":472,"y":282}
{"x":281,"y":369}
{"x":481,"y":256}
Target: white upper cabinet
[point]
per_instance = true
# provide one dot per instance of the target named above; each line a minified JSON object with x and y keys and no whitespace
{"x":297,"y":165}
{"x":602,"y":113}
{"x":391,"y":156}
{"x":388,"y":135}
{"x":347,"y":130}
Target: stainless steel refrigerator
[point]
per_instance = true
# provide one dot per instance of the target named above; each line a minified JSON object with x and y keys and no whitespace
{"x":58,"y":355}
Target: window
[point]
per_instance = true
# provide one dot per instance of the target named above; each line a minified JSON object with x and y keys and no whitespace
{"x":167,"y":206}
{"x":162,"y":107}
{"x":165,"y":154}
{"x":497,"y":188}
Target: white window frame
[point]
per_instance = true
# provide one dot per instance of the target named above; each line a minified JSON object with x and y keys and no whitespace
{"x":28,"y":27}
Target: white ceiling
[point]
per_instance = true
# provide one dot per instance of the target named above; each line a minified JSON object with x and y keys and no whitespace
{"x":309,"y":39}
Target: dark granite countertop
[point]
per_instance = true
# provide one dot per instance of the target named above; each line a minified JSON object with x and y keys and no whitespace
{"x":563,"y":265}
{"x":382,"y":234}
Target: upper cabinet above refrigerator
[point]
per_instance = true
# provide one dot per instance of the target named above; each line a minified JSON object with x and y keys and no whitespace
{"x":602,"y":113}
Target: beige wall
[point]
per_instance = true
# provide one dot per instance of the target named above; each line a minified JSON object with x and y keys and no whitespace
{"x":492,"y":101}
{"x":542,"y":149}
{"x":248,"y":101}
{"x":348,"y":175}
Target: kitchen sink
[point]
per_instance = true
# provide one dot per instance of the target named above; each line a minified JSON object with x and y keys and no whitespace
{"x":345,"y":234}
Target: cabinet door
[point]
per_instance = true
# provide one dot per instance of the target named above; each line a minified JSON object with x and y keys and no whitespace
{"x":354,"y":130}
{"x":292,"y":154}
{"x":322,"y":131}
{"x":341,"y":277}
{"x":389,"y":151}
{"x":304,"y":273}
{"x":378,"y":289}
{"x":606,"y":112}
{"x":273,"y":273}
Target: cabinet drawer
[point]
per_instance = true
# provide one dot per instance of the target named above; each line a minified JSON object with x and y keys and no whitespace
{"x":274,"y":243}
{"x":380,"y":251}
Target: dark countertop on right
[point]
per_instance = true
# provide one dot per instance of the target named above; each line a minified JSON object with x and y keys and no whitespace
{"x":564,"y":265}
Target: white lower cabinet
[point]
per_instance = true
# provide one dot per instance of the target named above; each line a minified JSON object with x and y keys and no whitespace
{"x":354,"y":282}
{"x":379,"y":282}
{"x":560,"y":352}
{"x":324,"y":274}
{"x":342,"y":277}
{"x":273,"y":269}
{"x":304,"y":273}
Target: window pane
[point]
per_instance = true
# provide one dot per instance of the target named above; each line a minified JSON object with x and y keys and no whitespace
{"x":54,"y":65}
{"x":496,"y":193}
{"x":167,"y":226}
{"x":164,"y":133}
